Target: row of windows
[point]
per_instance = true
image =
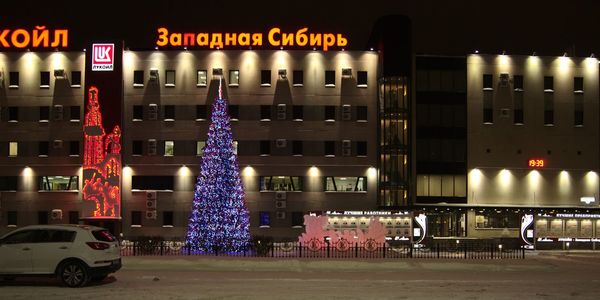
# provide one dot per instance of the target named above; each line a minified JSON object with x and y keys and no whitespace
{"x":441,"y":185}
{"x":518,"y":83}
{"x":519,"y":99}
{"x":45,"y":183}
{"x":12,"y":218}
{"x":497,"y":219}
{"x":234,"y":77}
{"x":266,"y":112}
{"x":44,"y":113}
{"x":265,"y":184}
{"x":13,"y":79}
{"x":297,"y":147}
{"x":44,"y":148}
{"x":265,"y":217}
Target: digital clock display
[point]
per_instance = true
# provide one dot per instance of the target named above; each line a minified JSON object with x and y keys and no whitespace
{"x":536,"y":163}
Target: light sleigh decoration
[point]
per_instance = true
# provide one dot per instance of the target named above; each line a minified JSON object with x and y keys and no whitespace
{"x":219,"y":220}
{"x":316,"y":234}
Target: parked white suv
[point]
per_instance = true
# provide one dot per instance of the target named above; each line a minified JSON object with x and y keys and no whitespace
{"x":76,"y":254}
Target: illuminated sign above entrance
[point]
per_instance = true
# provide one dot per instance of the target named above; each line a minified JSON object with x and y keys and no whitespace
{"x":40,"y":37}
{"x":273,"y":38}
{"x":536,"y":163}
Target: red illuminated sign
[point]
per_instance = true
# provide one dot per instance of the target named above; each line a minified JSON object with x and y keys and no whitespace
{"x":103,"y":57}
{"x":536,"y":163}
{"x":40,"y":37}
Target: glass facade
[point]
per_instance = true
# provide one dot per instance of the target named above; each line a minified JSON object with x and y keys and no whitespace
{"x":394,"y":139}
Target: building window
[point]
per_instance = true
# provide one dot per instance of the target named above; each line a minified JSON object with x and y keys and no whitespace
{"x":167,"y":219}
{"x":200,"y":112}
{"x":361,"y":113}
{"x":518,"y":82}
{"x":13,"y":114}
{"x":13,"y":149}
{"x":73,"y":217}
{"x":330,"y":78}
{"x":152,"y":183}
{"x":13,"y":80}
{"x":11,"y":218}
{"x":138,"y":112}
{"x":169,"y":113}
{"x":75,"y":113}
{"x":298,"y":78}
{"x":361,"y":79}
{"x":265,"y":78}
{"x":361,"y":148}
{"x":44,"y":113}
{"x":297,"y":148}
{"x":548,"y":84}
{"x":235,"y":147}
{"x":136,"y":218}
{"x":58,"y":183}
{"x":234,"y":112}
{"x":548,"y":109}
{"x":264,"y":219}
{"x":441,"y":185}
{"x":43,"y":147}
{"x":329,"y":148}
{"x":345,"y":184}
{"x":519,"y":98}
{"x":488,"y":107}
{"x":8,"y":183}
{"x":234,"y":77}
{"x":330,"y":113}
{"x":297,"y":219}
{"x":578,"y":110}
{"x":75,"y":79}
{"x":298,"y":113}
{"x":138,"y":78}
{"x":170,"y":78}
{"x":169,"y":148}
{"x":578,"y":84}
{"x":42,"y":217}
{"x":281,"y":183}
{"x":265,"y":148}
{"x":488,"y":82}
{"x":137,"y":148}
{"x":265,"y":113}
{"x":44,"y":79}
{"x":494,"y":219}
{"x":578,"y":101}
{"x":202,"y":78}
{"x":74,"y":148}
{"x":200,"y":148}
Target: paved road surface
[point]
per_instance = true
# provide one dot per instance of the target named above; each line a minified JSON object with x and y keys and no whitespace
{"x":549,"y":275}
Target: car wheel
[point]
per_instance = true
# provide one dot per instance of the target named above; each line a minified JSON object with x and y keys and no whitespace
{"x":74,"y":274}
{"x":99,"y":278}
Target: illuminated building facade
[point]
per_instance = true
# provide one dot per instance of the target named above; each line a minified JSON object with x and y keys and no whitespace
{"x":467,"y":147}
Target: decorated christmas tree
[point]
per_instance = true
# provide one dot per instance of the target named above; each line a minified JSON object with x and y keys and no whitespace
{"x":219,"y":220}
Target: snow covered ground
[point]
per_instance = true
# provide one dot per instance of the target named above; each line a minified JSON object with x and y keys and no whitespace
{"x":547,"y":275}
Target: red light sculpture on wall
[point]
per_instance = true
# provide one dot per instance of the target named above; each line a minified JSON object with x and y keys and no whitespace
{"x":101,"y":162}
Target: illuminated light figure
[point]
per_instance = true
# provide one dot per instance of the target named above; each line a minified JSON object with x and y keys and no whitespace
{"x":101,"y":162}
{"x":219,"y":220}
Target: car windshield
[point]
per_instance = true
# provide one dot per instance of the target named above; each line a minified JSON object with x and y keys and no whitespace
{"x":104,"y":236}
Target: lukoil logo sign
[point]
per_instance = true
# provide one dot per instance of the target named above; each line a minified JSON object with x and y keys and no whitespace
{"x":103,"y":56}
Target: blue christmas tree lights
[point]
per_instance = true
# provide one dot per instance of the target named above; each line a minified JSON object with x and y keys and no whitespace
{"x":219,"y":220}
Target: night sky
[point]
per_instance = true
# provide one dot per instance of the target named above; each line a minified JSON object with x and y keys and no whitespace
{"x":439,"y":27}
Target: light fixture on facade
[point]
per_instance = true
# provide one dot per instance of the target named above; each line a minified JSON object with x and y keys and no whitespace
{"x":534,"y":53}
{"x":503,"y":52}
{"x":592,"y":55}
{"x":565,"y":54}
{"x":476,"y":51}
